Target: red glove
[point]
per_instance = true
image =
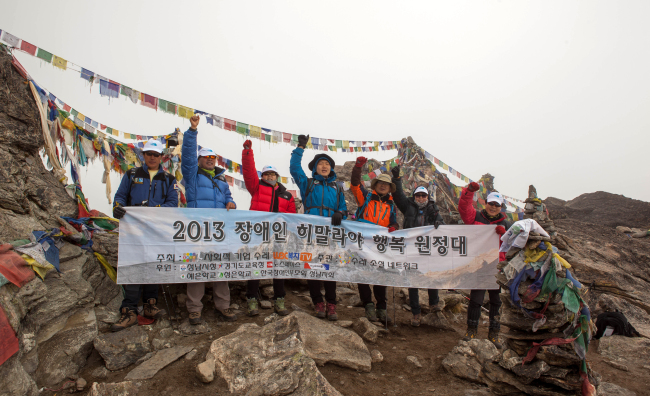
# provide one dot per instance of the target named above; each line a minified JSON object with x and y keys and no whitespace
{"x":248,"y":144}
{"x":361,"y":161}
{"x":473,"y":186}
{"x":391,"y":229}
{"x":500,"y":230}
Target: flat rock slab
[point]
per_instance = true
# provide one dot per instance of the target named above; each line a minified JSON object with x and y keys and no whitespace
{"x":123,"y":348}
{"x":162,"y":358}
{"x":630,"y":350}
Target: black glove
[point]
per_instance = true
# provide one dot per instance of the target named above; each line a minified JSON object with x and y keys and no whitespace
{"x":302,"y":140}
{"x":119,"y":212}
{"x":336,"y":218}
{"x":395,"y":172}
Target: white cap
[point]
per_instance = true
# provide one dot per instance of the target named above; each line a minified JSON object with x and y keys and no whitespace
{"x":495,"y":197}
{"x":421,"y":189}
{"x":153,"y":145}
{"x":270,"y":168}
{"x":206,"y":151}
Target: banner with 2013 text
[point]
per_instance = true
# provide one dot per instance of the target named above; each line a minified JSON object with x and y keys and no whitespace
{"x":183,"y":245}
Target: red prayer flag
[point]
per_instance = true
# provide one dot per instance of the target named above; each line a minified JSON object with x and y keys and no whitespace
{"x":230,"y":125}
{"x":149,"y":101}
{"x":286,"y":137}
{"x":67,"y":108}
{"x":372,"y":175}
{"x":8,"y":340}
{"x":29,"y":48}
{"x":103,"y":126}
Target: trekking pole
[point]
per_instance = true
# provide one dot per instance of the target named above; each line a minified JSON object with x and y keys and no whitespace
{"x":394,"y":312}
{"x":169,"y":312}
{"x":176,"y":316}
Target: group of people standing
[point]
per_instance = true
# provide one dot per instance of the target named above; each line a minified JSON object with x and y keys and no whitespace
{"x":206,"y":187}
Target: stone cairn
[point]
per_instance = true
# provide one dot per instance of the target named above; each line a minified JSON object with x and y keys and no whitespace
{"x":554,"y":369}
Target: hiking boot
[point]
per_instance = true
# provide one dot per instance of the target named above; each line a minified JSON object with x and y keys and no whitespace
{"x":471,"y":333}
{"x":382,"y":316}
{"x":437,"y":306}
{"x":320,"y":310}
{"x":331,"y":312}
{"x":371,"y":313}
{"x":493,"y":336}
{"x":279,"y":308}
{"x":227,"y":314}
{"x":195,"y":318}
{"x":415,"y":320}
{"x":252,"y":307}
{"x":151,"y":310}
{"x":129,"y":318}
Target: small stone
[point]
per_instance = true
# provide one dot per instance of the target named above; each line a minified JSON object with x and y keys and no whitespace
{"x":234,"y":306}
{"x":100,"y":372}
{"x":376,"y":356}
{"x":406,"y":307}
{"x":81,"y":384}
{"x":413,"y":360}
{"x":344,"y":323}
{"x":157,"y":344}
{"x":188,"y":329}
{"x":166,"y":332}
{"x":191,"y":354}
{"x":271,"y":318}
{"x":366,"y":330}
{"x":265,"y":304}
{"x":205,"y":371}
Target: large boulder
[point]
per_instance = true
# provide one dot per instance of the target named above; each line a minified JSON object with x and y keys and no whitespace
{"x":15,"y":381}
{"x":632,"y":351}
{"x":269,"y":360}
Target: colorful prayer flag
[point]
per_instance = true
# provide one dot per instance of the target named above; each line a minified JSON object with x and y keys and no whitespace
{"x":10,"y":39}
{"x":185,"y":112}
{"x":242,"y":128}
{"x":149,"y":101}
{"x":59,"y":62}
{"x":230,"y":125}
{"x":29,"y":48}
{"x":46,"y":56}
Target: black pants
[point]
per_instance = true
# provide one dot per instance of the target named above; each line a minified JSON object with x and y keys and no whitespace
{"x":366,"y":295}
{"x":253,"y":287}
{"x":414,"y":299}
{"x":476,"y":301}
{"x":132,"y":295}
{"x":317,"y":297}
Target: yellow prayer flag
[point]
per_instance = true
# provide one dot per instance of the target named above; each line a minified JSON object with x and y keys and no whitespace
{"x":346,"y":144}
{"x":116,"y":132}
{"x":255,"y":131}
{"x":185,"y":112}
{"x":81,"y":117}
{"x":445,"y":167}
{"x":60,"y":63}
{"x":68,"y":124}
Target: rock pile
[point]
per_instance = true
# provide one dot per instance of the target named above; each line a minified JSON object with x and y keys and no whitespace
{"x":536,"y":209}
{"x":549,"y":324}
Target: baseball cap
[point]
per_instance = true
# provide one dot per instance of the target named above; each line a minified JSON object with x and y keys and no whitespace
{"x":270,"y":168}
{"x":495,"y":197}
{"x":421,"y":190}
{"x":206,"y":151}
{"x":153,"y":145}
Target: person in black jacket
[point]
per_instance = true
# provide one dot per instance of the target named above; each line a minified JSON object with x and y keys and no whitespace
{"x":419,"y":210}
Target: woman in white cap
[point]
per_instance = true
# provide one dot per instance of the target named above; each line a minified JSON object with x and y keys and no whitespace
{"x":268,"y":195}
{"x":490,"y":215}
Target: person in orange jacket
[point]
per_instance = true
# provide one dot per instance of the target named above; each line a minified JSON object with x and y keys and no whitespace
{"x":375,"y":207}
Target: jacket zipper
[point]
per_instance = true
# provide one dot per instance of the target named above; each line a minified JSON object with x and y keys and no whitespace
{"x":149,"y":194}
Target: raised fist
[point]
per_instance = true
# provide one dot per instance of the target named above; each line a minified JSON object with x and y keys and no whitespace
{"x":395,"y":172}
{"x":302,"y":140}
{"x":248,"y":144}
{"x":194,"y":121}
{"x":473,"y":186}
{"x":360,"y":161}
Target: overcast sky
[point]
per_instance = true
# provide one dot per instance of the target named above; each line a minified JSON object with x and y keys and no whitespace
{"x":554,"y":94}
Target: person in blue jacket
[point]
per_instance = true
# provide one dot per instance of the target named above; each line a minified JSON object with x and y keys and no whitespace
{"x":147,"y":185}
{"x":205,"y":187}
{"x":321,"y":196}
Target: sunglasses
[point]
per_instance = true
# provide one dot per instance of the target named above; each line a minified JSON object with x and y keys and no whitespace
{"x":495,"y":204}
{"x":210,"y":156}
{"x":152,"y":153}
{"x":421,"y":195}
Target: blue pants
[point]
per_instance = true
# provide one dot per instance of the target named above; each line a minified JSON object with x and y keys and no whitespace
{"x":414,"y":299}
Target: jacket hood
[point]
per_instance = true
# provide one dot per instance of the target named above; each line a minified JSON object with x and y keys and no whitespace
{"x":318,"y":157}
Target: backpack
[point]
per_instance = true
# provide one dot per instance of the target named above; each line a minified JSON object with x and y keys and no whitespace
{"x":139,"y":172}
{"x":310,"y":188}
{"x":359,"y":213}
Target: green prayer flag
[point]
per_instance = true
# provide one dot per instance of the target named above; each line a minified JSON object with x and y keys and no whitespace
{"x":365,"y":177}
{"x":267,"y":137}
{"x":109,"y":130}
{"x":294,"y":138}
{"x":74,"y":112}
{"x":46,"y":56}
{"x":242,"y":128}
{"x":339,"y":144}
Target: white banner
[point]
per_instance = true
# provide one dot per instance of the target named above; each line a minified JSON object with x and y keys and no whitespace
{"x":181,"y":245}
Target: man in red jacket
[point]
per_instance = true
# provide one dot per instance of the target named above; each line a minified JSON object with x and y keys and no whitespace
{"x":269,"y":195}
{"x":490,"y":215}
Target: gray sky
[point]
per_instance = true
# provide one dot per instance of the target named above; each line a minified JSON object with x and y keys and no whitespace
{"x":554,"y":94}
